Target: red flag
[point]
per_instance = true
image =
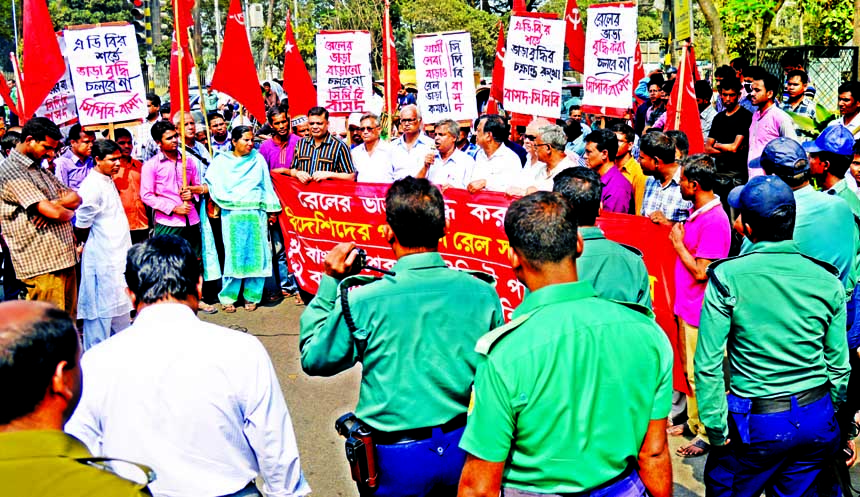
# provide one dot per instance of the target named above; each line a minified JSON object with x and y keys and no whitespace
{"x":235,"y":73}
{"x":6,"y":92}
{"x":297,"y":81}
{"x":574,"y":36}
{"x":44,"y":64}
{"x":183,"y":21}
{"x":695,"y":65}
{"x":682,"y":111}
{"x":519,"y":6}
{"x":638,"y":72}
{"x":497,"y":91}
{"x":389,"y":61}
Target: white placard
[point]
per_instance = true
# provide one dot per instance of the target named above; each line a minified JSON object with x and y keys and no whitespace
{"x":106,"y":73}
{"x":610,"y":55}
{"x":444,"y":73}
{"x":59,"y":105}
{"x":534,"y":61}
{"x":344,"y":74}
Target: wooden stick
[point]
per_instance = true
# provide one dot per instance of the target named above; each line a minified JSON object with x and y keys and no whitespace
{"x":179,"y":57}
{"x":202,"y":104}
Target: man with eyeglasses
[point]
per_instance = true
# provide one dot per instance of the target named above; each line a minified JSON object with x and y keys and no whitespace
{"x":411,"y":148}
{"x":321,"y":156}
{"x":372,"y":157}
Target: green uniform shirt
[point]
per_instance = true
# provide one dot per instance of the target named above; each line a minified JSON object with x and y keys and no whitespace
{"x":615,"y":271}
{"x":782,"y":316}
{"x":420,"y":328}
{"x":841,"y":190}
{"x":44,"y":463}
{"x":566,"y":397}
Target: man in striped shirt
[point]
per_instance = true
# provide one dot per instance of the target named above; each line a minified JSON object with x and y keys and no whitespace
{"x":321,"y":156}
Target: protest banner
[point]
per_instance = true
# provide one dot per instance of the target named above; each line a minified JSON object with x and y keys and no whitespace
{"x":317,"y":216}
{"x":443,"y":69}
{"x":106,"y":73}
{"x":60,"y":106}
{"x":344,"y":74}
{"x":534,"y":60}
{"x":610,"y":45}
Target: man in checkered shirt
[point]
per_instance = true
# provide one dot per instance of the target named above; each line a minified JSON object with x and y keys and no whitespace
{"x":35,"y":214}
{"x":662,"y":201}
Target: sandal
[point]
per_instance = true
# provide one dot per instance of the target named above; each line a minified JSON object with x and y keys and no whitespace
{"x":676,"y":430}
{"x":230,"y":308}
{"x":250,"y":307}
{"x":299,"y":302}
{"x":206,"y":308}
{"x":695,"y":448}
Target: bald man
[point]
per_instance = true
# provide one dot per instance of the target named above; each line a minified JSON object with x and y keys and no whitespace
{"x":40,"y":385}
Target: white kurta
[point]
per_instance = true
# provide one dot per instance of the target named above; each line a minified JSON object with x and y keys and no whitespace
{"x":102,"y":291}
{"x":500,"y":171}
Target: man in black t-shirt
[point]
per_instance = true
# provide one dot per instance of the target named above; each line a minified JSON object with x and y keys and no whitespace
{"x":728,"y":141}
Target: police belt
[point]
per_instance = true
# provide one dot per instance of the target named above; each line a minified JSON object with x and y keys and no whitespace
{"x":783,"y":403}
{"x":585,"y":493}
{"x":417,"y":434}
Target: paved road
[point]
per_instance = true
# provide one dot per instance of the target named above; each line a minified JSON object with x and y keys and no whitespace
{"x":315,"y":403}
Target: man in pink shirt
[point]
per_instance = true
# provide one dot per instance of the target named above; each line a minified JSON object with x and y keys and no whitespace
{"x":702,"y":239}
{"x":769,"y":121}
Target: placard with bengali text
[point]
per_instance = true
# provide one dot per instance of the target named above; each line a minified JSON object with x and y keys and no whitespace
{"x":59,"y":106}
{"x":534,"y":61}
{"x":610,"y":50}
{"x":344,"y":74}
{"x":444,"y":73}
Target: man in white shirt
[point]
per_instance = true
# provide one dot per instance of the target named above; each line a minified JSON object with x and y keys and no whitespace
{"x":198,"y":403}
{"x":409,"y":150}
{"x":849,"y":107}
{"x":533,"y":166}
{"x":448,"y":166}
{"x":496,"y":166}
{"x":372,"y":158}
{"x":101,"y":223}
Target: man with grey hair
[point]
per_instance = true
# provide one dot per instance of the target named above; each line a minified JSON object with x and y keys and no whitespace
{"x":373,"y":157}
{"x":496,"y":166}
{"x":189,"y":134}
{"x":600,"y":149}
{"x":410,"y":149}
{"x":549,"y":143}
{"x":448,"y":166}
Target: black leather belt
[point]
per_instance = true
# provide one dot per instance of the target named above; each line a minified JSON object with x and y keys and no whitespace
{"x":416,"y":434}
{"x":782,"y":404}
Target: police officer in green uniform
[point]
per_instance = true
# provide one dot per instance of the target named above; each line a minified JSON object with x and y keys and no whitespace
{"x":414,"y":333}
{"x":780,"y":315}
{"x":572,"y":394}
{"x":616,"y":271}
{"x":40,"y":385}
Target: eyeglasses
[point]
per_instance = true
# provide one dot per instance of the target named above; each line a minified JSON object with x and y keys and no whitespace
{"x":367,"y":128}
{"x":408,"y":121}
{"x":529,"y":137}
{"x":542,"y":145}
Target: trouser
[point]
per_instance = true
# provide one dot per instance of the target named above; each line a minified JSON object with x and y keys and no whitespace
{"x":780,"y":453}
{"x":100,"y":329}
{"x":232,"y":287}
{"x":628,"y":484}
{"x":58,"y":287}
{"x":138,"y":236}
{"x":281,"y":281}
{"x":422,"y":468}
{"x":190,"y":234}
{"x":690,"y":336}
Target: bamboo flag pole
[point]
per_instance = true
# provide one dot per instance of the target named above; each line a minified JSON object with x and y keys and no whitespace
{"x":679,"y":86}
{"x":179,"y":54}
{"x":202,"y":104}
{"x":16,"y":67}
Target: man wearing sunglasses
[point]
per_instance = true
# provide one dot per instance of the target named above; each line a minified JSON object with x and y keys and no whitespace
{"x":373,"y":157}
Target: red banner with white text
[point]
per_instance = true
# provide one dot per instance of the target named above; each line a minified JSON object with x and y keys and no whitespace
{"x":318,"y":216}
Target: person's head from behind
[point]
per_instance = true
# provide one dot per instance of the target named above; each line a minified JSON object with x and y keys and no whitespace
{"x":698,"y":174}
{"x":164,"y":110}
{"x":161,"y":269}
{"x":40,"y":372}
{"x":164,"y":135}
{"x":791,"y":61}
{"x":40,"y":138}
{"x":724,"y":72}
{"x":786,"y":159}
{"x":656,"y":151}
{"x":682,"y":143}
{"x":704,"y":92}
{"x":415,"y":215}
{"x":582,"y":189}
{"x":544,"y":242}
{"x":855,"y":162}
{"x":9,"y":141}
{"x":767,"y":209}
{"x":600,"y":148}
{"x":123,"y":138}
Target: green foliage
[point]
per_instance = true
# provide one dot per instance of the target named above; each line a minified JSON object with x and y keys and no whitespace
{"x":807,"y":126}
{"x":829,"y":22}
{"x":74,"y":12}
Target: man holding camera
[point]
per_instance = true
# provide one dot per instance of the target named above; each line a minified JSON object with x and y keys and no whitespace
{"x":414,"y":331}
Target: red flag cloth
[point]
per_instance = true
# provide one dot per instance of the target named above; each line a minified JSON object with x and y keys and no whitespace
{"x":297,"y":81}
{"x":6,"y":93}
{"x":638,"y":72}
{"x":519,"y":6}
{"x":574,"y":36}
{"x":43,"y":61}
{"x":497,"y":91}
{"x":682,"y":111}
{"x":235,"y":74}
{"x":179,"y":93}
{"x":390,"y":64}
{"x":695,"y":65}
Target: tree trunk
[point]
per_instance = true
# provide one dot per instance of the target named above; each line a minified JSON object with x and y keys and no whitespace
{"x":198,"y":37}
{"x":767,"y":22}
{"x":265,"y":60}
{"x":719,"y":48}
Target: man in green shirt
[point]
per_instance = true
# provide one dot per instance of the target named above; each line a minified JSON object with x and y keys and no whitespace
{"x":40,"y":384}
{"x":414,"y":331}
{"x":616,"y":271}
{"x":780,"y":314}
{"x":573,"y":393}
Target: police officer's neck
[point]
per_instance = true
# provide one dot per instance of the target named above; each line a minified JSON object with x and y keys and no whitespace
{"x":548,"y":274}
{"x":401,"y":251}
{"x":43,"y":418}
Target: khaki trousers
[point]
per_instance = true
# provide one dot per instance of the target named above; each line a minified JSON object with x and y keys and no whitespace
{"x":59,"y":288}
{"x":690,"y":336}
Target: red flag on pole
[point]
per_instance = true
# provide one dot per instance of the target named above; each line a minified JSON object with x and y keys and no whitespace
{"x":235,"y":73}
{"x":682,"y":111}
{"x":638,"y":71}
{"x":389,"y":63}
{"x":574,"y":36}
{"x":519,"y":6}
{"x":179,"y":92}
{"x":6,"y":93}
{"x":497,"y":90}
{"x":43,"y":61}
{"x":297,"y":81}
